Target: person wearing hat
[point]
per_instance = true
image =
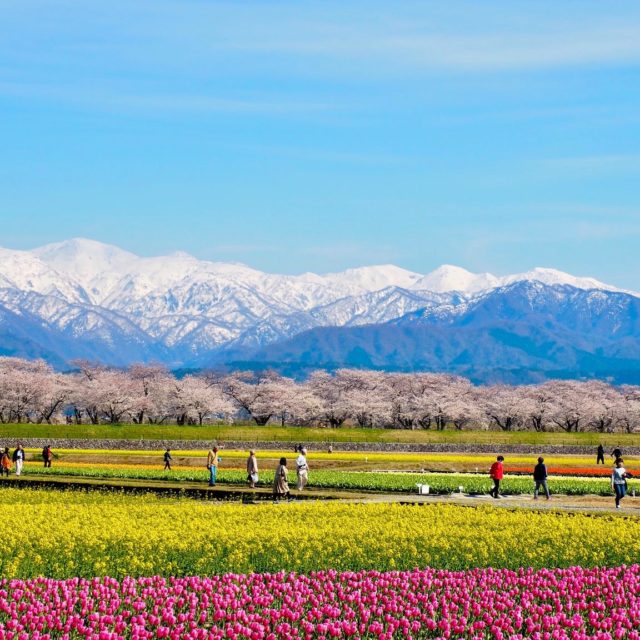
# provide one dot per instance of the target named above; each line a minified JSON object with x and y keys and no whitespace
{"x":302,"y":469}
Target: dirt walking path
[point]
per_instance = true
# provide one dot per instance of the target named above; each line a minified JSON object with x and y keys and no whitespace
{"x":589,"y":504}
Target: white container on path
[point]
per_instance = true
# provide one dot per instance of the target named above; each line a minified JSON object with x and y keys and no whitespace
{"x":423,"y":489}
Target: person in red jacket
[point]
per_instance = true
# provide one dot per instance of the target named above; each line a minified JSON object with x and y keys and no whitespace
{"x":496,"y":473}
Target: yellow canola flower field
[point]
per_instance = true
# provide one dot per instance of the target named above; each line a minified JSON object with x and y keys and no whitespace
{"x":64,"y":534}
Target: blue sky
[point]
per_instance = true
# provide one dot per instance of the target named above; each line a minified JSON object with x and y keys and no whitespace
{"x":298,"y":136}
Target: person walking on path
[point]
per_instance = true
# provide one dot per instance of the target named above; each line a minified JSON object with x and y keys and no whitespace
{"x":616,"y":453}
{"x":47,"y":456}
{"x":167,"y":459}
{"x":619,"y":477}
{"x":5,"y":462}
{"x":302,"y":469}
{"x":280,"y":483}
{"x":540,"y":478}
{"x":212,"y":464}
{"x":600,"y":457}
{"x":496,"y":473}
{"x":252,"y":469}
{"x":18,"y":458}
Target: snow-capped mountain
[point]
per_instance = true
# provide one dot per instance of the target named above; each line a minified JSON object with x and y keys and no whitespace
{"x":101,"y":302}
{"x":450,"y":278}
{"x":24,"y":271}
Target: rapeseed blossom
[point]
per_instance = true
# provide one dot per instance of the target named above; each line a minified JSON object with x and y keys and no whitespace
{"x":69,"y":534}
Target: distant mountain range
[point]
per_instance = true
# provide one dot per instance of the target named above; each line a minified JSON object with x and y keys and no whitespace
{"x":81,"y":299}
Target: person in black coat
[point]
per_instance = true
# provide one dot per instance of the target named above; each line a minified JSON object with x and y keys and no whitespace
{"x":540,"y":478}
{"x":167,"y":460}
{"x":47,"y":456}
{"x":600,"y":457}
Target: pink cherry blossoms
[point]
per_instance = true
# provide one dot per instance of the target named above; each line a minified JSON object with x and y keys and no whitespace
{"x":573,"y":603}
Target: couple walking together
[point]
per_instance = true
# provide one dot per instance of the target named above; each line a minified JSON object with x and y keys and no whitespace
{"x":540,"y":476}
{"x":280,"y":482}
{"x":18,"y":458}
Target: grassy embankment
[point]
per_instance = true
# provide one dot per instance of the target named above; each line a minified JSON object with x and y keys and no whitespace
{"x":308,"y":434}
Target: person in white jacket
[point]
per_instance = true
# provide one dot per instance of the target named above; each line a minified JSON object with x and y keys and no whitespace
{"x":18,"y":458}
{"x":302,"y":469}
{"x":619,"y":477}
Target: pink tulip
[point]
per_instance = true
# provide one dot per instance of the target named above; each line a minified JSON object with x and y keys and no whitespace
{"x":562,"y":604}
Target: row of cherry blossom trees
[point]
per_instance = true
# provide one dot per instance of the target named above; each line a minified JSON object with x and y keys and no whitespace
{"x":30,"y":391}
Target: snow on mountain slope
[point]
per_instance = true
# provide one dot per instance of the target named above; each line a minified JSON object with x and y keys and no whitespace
{"x":555,"y":277}
{"x":95,"y":266}
{"x":376,"y":306}
{"x":521,"y":333}
{"x":187,"y":308}
{"x":84,"y":330}
{"x":24,"y":271}
{"x":373,"y":278}
{"x":449,"y":278}
{"x":107,"y":273}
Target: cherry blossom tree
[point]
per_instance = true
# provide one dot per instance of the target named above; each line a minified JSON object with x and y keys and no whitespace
{"x":602,"y":405}
{"x":569,"y":406}
{"x":629,"y":408}
{"x":332,"y":394}
{"x":257,"y":396}
{"x":53,"y":391}
{"x":203,"y":400}
{"x":401,"y":395}
{"x":150,"y":386}
{"x":538,"y":405}
{"x":503,"y":405}
{"x":366,"y":395}
{"x":465,"y":410}
{"x":20,"y":386}
{"x":31,"y":391}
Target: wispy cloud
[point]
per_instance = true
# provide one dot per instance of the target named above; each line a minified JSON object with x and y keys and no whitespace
{"x":462,"y":52}
{"x":465,"y":36}
{"x":334,"y":37}
{"x":120,"y":98}
{"x":596,"y":163}
{"x":172,"y":56}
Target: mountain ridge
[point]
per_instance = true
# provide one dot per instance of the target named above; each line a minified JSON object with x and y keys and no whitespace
{"x":98,"y":301}
{"x":527,"y":331}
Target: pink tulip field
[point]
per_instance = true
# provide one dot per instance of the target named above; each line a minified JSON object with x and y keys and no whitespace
{"x":546,"y":604}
